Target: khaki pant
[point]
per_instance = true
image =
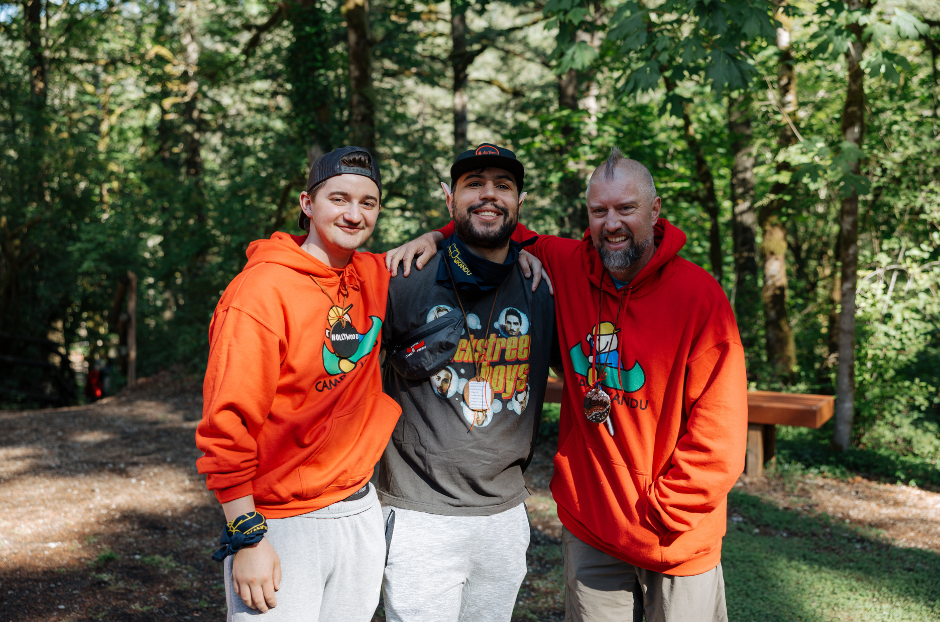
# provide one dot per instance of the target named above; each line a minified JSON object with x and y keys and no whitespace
{"x":602,"y":588}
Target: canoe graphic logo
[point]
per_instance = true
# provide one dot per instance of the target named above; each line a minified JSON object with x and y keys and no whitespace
{"x":345,"y":346}
{"x":602,"y":343}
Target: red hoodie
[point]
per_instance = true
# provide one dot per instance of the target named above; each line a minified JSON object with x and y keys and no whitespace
{"x":293,"y":411}
{"x":654,"y":494}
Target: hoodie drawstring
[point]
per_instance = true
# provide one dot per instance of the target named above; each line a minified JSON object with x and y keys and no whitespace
{"x":623,"y":340}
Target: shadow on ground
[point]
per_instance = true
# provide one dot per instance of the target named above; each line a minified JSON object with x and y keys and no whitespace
{"x":106,"y":519}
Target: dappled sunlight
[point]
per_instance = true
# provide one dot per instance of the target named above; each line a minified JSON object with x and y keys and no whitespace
{"x":96,"y":436}
{"x":783,"y":565}
{"x":15,"y":460}
{"x":113,"y":521}
{"x":904,"y":515}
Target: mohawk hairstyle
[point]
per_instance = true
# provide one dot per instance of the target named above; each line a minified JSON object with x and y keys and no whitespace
{"x":616,"y":161}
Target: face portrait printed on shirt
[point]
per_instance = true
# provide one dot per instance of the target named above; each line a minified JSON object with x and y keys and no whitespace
{"x":437,"y":311}
{"x":520,"y":400}
{"x":512,"y":322}
{"x":445,"y":382}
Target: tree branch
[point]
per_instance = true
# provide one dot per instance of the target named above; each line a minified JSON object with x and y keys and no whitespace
{"x":260,"y":29}
{"x":502,"y":87}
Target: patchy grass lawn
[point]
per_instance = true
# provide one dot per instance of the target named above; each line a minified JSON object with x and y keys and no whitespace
{"x":112,"y":523}
{"x":784,"y":566}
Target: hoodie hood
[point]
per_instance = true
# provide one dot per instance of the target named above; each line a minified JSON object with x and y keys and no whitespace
{"x":668,"y":240}
{"x":285,"y":249}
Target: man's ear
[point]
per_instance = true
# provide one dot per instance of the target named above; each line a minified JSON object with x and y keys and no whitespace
{"x":448,"y":198}
{"x":522,"y":200}
{"x":657,"y":208}
{"x":306,"y":205}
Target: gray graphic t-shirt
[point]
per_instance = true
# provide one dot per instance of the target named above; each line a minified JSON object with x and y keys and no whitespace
{"x":435,"y":462}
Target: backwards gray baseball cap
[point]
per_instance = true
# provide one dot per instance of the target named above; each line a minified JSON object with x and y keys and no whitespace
{"x":331,"y":164}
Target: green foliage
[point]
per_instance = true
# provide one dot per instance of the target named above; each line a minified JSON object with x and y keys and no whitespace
{"x":105,"y":557}
{"x":803,"y":452}
{"x":174,"y":134}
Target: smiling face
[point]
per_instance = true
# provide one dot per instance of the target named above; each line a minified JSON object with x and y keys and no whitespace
{"x":485,"y":206}
{"x":342,"y":217}
{"x":621,"y":220}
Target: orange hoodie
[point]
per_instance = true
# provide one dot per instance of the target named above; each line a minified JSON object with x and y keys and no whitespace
{"x":655,"y":493}
{"x":294,"y":413}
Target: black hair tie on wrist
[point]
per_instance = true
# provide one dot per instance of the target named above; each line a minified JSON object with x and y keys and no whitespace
{"x":245,"y":530}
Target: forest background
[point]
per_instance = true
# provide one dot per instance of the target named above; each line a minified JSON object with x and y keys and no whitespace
{"x":797,"y":144}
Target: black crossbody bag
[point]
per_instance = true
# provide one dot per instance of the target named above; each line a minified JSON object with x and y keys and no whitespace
{"x":427,"y":349}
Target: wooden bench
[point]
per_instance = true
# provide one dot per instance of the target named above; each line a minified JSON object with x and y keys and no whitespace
{"x":765,"y":411}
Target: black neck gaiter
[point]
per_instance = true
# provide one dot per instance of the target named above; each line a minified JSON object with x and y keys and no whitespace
{"x":472,"y":273}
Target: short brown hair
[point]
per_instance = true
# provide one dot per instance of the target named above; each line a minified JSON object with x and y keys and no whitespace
{"x":359,"y":159}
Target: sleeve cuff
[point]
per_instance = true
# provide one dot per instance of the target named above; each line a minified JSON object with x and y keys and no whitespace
{"x":224,"y":495}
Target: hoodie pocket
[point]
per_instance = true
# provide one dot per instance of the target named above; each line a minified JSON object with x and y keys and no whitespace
{"x":606,"y":497}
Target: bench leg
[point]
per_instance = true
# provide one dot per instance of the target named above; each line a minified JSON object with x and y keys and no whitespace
{"x":770,"y":444}
{"x":754,"y":462}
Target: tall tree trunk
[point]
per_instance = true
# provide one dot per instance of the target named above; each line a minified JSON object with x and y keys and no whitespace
{"x":362,"y":102}
{"x":853,"y":131}
{"x":706,"y":194}
{"x":36,"y":115}
{"x":37,"y":56}
{"x":744,"y":218}
{"x":319,"y":120}
{"x":193,"y":124}
{"x":460,"y":63}
{"x":574,"y":219}
{"x":779,"y":342}
{"x":577,"y":91}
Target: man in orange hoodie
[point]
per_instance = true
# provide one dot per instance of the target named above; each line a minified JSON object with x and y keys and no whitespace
{"x":294,"y":417}
{"x":654,"y":413}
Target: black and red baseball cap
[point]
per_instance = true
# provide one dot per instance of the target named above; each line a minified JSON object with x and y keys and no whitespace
{"x":484,"y":156}
{"x":331,"y":164}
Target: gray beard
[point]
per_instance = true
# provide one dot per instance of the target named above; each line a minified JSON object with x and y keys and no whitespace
{"x":618,"y":261}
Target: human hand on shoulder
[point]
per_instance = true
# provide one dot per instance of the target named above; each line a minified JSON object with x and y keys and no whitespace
{"x":532,"y":268}
{"x":256,"y":575}
{"x":423,"y":247}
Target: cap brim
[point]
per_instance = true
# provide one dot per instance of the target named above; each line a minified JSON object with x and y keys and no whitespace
{"x":475,"y":163}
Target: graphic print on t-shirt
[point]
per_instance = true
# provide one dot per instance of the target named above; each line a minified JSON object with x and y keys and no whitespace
{"x":504,"y":359}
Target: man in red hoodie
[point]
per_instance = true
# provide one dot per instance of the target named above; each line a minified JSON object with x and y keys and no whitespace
{"x":654,"y":414}
{"x":294,"y":417}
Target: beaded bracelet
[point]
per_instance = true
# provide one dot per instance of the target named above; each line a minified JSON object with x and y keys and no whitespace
{"x":245,"y":530}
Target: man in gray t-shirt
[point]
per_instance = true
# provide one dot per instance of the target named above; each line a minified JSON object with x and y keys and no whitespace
{"x":451,"y":477}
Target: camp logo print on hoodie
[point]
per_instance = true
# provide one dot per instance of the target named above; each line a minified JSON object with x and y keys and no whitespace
{"x":345,"y":345}
{"x":602,"y":342}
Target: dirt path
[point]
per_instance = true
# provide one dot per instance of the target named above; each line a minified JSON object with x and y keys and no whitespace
{"x":905,"y":516}
{"x":105,"y":518}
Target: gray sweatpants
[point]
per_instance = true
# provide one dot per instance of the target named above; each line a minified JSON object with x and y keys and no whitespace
{"x":454,"y":568}
{"x":331,"y":565}
{"x":602,"y":588}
